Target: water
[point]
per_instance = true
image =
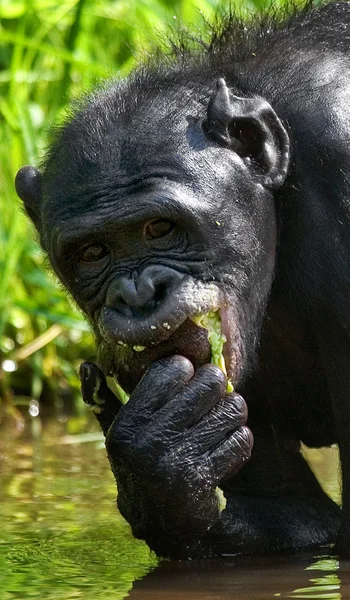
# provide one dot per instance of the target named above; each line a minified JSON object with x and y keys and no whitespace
{"x":61,"y":537}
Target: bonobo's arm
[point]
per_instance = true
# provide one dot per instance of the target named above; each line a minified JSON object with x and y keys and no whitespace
{"x":175,"y":441}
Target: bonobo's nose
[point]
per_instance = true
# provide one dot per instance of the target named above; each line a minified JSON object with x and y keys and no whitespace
{"x":138,"y":294}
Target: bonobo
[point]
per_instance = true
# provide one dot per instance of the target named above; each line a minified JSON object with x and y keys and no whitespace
{"x":217,"y":180}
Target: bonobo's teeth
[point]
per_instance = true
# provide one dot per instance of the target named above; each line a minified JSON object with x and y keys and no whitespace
{"x":232,"y":350}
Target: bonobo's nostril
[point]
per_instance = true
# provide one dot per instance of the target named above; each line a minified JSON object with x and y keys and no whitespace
{"x":135,"y":292}
{"x":144,"y":291}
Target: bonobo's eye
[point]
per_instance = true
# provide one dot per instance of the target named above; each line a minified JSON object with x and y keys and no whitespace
{"x":157,"y":229}
{"x":93,"y":253}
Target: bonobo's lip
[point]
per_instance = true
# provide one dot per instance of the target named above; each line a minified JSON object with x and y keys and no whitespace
{"x":190,"y":298}
{"x":169,"y":331}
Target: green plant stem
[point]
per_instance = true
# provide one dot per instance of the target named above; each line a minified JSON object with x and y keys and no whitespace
{"x":70,"y":46}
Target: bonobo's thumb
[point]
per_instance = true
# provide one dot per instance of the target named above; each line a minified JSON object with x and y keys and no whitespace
{"x":96,"y":394}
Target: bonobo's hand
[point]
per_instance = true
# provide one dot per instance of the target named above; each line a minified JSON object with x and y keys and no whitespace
{"x":179,"y":435}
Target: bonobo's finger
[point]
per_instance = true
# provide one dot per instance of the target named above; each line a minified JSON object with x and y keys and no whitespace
{"x":161,"y":382}
{"x":95,"y":389}
{"x":97,"y":394}
{"x":226,"y":416}
{"x":205,"y":389}
{"x":230,"y":456}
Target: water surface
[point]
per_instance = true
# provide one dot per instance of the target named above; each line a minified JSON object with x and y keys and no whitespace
{"x":61,"y":537}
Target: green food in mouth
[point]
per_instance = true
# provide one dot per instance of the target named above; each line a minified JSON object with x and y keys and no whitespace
{"x":211,"y":321}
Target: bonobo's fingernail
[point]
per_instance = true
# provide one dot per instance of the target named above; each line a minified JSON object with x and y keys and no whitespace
{"x":212,"y":373}
{"x":84,"y":371}
{"x":88,"y":371}
{"x":180,"y":362}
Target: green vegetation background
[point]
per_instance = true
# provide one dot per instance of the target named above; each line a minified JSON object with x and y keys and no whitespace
{"x":51,"y":51}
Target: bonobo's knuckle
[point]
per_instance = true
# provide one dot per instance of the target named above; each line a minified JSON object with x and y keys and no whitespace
{"x":127,"y":440}
{"x":120,"y":451}
{"x":206,"y":388}
{"x":161,"y":382}
{"x":227,"y":416}
{"x":236,"y":407}
{"x":231,"y":454}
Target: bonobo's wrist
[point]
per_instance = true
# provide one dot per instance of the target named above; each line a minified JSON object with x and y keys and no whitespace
{"x":189,"y":546}
{"x":179,"y":548}
{"x":171,"y":523}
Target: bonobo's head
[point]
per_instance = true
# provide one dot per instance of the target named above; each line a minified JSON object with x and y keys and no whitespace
{"x":155,"y":204}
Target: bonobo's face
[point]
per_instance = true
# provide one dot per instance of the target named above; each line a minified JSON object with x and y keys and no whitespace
{"x":156,"y":209}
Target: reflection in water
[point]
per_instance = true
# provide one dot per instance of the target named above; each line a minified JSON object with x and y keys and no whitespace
{"x":61,"y":537}
{"x":244,"y":578}
{"x":327,"y":586}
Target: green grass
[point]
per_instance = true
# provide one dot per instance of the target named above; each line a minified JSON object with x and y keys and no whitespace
{"x":51,"y":51}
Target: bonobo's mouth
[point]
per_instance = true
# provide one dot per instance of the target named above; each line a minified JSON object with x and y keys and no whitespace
{"x":128,"y":346}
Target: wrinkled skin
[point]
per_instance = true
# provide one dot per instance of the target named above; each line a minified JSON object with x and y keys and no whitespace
{"x":168,"y":196}
{"x":186,"y":438}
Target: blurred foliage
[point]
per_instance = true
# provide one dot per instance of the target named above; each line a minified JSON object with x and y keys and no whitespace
{"x":50,"y":51}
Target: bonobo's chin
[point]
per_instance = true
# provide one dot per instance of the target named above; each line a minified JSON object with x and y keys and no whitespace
{"x":128,"y":346}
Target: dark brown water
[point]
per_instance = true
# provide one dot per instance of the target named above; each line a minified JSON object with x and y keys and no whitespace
{"x":61,"y":537}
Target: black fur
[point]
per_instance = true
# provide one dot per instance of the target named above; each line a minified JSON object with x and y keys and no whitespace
{"x":217,"y":177}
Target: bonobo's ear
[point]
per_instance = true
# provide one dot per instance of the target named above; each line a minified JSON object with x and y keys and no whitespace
{"x":28,"y":187}
{"x":252,"y":129}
